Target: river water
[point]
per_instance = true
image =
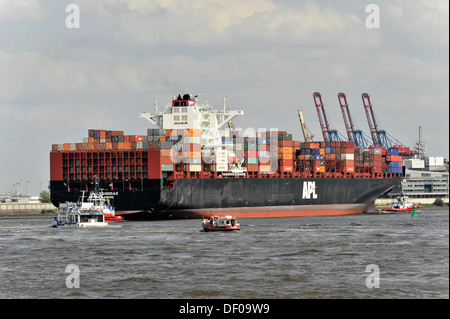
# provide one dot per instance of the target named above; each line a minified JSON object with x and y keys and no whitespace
{"x":359,"y":256}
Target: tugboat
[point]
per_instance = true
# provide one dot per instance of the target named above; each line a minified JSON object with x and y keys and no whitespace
{"x":402,"y":204}
{"x":216,"y":223}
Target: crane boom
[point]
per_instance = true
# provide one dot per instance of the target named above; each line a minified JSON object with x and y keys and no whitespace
{"x":328,"y":134}
{"x":303,"y":125}
{"x":346,"y":114}
{"x":379,"y":137}
{"x":354,"y":135}
{"x":373,"y":127}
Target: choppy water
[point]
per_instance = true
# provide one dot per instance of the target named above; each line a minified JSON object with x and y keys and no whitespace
{"x":307,"y":257}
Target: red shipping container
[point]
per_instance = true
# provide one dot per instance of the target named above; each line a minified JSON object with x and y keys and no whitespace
{"x":349,"y":169}
{"x":312,"y":145}
{"x":117,"y":133}
{"x":286,"y":168}
{"x":377,"y":169}
{"x":253,"y":154}
{"x":252,"y":168}
{"x":286,"y":162}
{"x":284,"y":143}
{"x":349,"y":150}
{"x":166,"y":160}
{"x":138,"y":138}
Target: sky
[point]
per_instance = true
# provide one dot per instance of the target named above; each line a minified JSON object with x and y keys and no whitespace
{"x":266,"y":57}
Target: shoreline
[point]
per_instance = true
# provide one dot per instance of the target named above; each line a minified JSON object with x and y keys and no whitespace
{"x":37,"y":214}
{"x":29,"y":214}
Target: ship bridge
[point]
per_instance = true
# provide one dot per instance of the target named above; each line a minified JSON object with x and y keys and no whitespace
{"x":186,"y":113}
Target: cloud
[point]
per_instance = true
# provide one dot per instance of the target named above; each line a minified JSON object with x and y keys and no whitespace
{"x":30,"y":72}
{"x":425,"y":21}
{"x":231,"y":23}
{"x":55,"y":117}
{"x":21,"y":9}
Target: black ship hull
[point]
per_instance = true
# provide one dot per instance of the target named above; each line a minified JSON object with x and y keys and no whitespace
{"x":240,"y":197}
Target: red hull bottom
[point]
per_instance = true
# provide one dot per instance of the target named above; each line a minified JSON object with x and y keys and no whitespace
{"x":398,"y":209}
{"x":221,"y":228}
{"x":277,"y":211}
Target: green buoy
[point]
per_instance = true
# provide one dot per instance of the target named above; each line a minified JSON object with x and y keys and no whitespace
{"x":414,"y":211}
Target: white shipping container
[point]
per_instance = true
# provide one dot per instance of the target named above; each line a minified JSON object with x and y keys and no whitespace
{"x":139,"y":145}
{"x":225,"y":133}
{"x":194,"y":139}
{"x":167,"y":167}
{"x":60,"y":147}
{"x":221,"y":160}
{"x":72,"y":147}
{"x":193,"y":168}
{"x":220,"y":152}
{"x":85,"y":139}
{"x":348,"y":156}
{"x":221,"y":168}
{"x":195,"y":161}
{"x":376,"y":151}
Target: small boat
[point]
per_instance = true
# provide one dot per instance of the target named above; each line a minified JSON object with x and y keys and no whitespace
{"x":225,"y":223}
{"x":69,"y":214}
{"x":402,"y":204}
{"x":95,"y":211}
{"x":97,"y":202}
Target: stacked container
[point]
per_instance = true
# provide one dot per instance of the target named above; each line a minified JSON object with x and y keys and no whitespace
{"x":264,"y":149}
{"x":251,"y":153}
{"x":101,"y":140}
{"x":267,"y":152}
{"x":394,"y":161}
{"x":285,"y":152}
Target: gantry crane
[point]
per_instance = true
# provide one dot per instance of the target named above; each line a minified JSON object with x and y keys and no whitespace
{"x":328,"y":134}
{"x":354,"y":135}
{"x":379,"y":136}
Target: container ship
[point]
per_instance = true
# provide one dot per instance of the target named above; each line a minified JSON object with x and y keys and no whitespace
{"x":195,"y":164}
